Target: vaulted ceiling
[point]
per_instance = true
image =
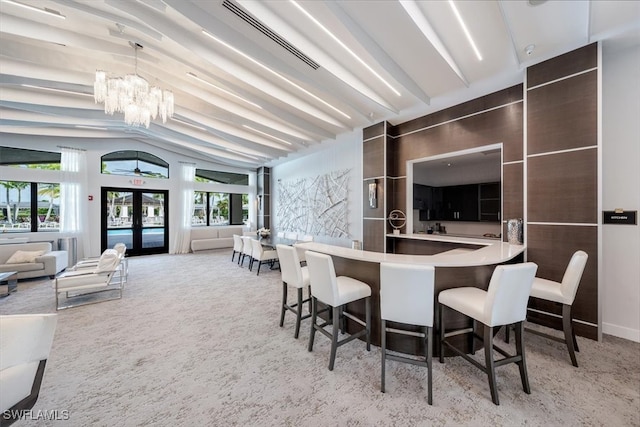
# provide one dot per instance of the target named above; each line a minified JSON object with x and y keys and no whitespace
{"x":259,"y":82}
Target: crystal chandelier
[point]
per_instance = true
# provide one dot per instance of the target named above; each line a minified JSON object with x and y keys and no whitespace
{"x":133,"y":96}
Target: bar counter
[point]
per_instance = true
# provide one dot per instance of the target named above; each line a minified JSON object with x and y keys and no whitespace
{"x":470,"y":264}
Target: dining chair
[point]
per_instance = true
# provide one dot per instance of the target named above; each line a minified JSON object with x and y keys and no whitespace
{"x":504,"y":303}
{"x":247,"y":251}
{"x":237,"y":247}
{"x":262,"y":255}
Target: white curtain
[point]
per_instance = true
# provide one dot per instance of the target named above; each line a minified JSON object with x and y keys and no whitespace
{"x":182,"y":242}
{"x":73,"y":197}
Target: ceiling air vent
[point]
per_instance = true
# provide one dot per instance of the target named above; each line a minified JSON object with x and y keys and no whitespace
{"x":245,"y":16}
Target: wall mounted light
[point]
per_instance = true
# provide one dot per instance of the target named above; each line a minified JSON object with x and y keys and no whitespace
{"x":373,"y":197}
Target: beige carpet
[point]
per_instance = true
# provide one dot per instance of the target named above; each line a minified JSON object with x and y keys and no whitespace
{"x":195,"y":342}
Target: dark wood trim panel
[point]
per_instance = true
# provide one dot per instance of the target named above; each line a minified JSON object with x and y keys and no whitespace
{"x":551,"y":247}
{"x":373,"y":158}
{"x":397,"y":199}
{"x":563,"y":115}
{"x":496,"y":99}
{"x":503,"y":125}
{"x":372,"y":131}
{"x":563,"y":187}
{"x":570,"y":63}
{"x":373,"y":232}
{"x":512,"y":191}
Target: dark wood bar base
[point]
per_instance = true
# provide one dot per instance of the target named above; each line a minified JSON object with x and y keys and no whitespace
{"x":445,"y":278}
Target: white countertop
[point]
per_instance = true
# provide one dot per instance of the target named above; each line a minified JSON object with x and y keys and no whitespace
{"x":492,"y":252}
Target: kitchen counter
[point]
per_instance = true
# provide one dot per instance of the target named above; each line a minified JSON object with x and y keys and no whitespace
{"x":490,"y":252}
{"x":470,"y":264}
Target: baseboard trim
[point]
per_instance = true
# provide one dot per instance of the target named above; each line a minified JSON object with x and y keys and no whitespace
{"x":621,"y":332}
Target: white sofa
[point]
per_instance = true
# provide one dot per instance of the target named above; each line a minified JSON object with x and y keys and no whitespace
{"x":49,"y":263}
{"x":205,"y":238}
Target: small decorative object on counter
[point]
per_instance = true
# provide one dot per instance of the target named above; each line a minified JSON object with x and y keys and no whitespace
{"x":397,"y":220}
{"x":264,"y":232}
{"x":515,"y":232}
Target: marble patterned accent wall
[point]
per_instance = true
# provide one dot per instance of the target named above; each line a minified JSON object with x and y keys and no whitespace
{"x":317,"y":205}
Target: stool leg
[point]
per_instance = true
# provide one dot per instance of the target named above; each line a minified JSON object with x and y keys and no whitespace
{"x":284,"y":303}
{"x":334,"y":336}
{"x":383,"y":348}
{"x":490,"y":365}
{"x":569,"y":336}
{"x":441,"y":323}
{"x":314,"y":315}
{"x":522,"y":364}
{"x":507,"y":329}
{"x":367,"y":304}
{"x":428,"y":342}
{"x":298,"y":314}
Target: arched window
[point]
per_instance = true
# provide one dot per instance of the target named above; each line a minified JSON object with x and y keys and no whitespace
{"x":134,"y":163}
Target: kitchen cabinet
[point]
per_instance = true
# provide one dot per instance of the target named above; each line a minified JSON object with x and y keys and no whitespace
{"x":460,"y":203}
{"x":490,"y":205}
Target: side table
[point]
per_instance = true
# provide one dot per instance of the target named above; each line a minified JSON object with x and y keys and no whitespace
{"x":8,"y":283}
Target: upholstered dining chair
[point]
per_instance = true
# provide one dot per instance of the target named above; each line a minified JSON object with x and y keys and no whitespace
{"x":406,"y":298}
{"x":504,"y":303}
{"x":291,"y":235}
{"x":563,"y":293}
{"x":25,"y":344}
{"x":237,"y":247}
{"x":336,"y":292}
{"x":247,"y":250}
{"x":297,"y":277}
{"x":262,"y":255}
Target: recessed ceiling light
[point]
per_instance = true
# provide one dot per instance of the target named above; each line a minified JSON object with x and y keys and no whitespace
{"x":51,"y":89}
{"x":465,"y":29}
{"x":345,"y":47}
{"x":223,"y":90}
{"x":280,"y":76}
{"x":46,"y":11}
{"x":266,"y":134}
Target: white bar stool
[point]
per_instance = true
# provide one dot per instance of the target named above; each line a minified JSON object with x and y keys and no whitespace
{"x":335,"y":292}
{"x":504,"y":303}
{"x":563,"y":293}
{"x":298,"y":277}
{"x":406,"y":296}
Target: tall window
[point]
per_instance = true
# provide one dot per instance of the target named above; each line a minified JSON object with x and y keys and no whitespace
{"x":29,"y":206}
{"x":217,"y":208}
{"x":134,"y":163}
{"x":212,"y":208}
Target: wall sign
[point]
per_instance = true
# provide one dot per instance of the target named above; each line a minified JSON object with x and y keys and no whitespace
{"x":620,"y":216}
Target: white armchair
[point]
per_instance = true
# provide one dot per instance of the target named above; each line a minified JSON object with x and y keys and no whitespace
{"x":106,"y":276}
{"x":123,"y":267}
{"x":25,"y":343}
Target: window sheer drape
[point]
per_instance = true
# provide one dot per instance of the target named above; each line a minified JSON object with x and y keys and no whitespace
{"x":186,"y":191}
{"x":73,"y":197}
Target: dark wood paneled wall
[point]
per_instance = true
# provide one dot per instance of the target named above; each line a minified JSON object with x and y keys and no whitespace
{"x":554,"y":171}
{"x":264,"y":197}
{"x":562,"y":178}
{"x":377,"y":162}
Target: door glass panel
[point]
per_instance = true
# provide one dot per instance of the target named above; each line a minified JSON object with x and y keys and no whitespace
{"x":137,"y":219}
